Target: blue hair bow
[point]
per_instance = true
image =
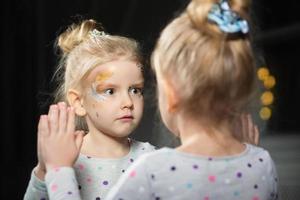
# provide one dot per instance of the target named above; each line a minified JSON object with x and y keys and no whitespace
{"x":227,"y":20}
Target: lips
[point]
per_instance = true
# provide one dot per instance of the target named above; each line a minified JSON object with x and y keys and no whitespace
{"x":126,"y":117}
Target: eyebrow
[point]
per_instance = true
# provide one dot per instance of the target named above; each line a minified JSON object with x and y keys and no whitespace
{"x":139,"y":84}
{"x":110,"y":85}
{"x":101,"y":86}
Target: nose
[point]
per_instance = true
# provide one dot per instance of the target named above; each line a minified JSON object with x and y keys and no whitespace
{"x":127,"y":102}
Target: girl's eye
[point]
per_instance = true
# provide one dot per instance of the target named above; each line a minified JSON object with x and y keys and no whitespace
{"x":109,"y":91}
{"x":138,"y":91}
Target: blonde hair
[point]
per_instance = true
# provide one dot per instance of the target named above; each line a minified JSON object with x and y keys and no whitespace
{"x":213,"y":71}
{"x":81,"y":52}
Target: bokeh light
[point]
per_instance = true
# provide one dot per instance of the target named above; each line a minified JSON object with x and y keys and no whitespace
{"x":267,"y":98}
{"x":269,"y":82}
{"x":265,"y":113}
{"x":263,"y":73}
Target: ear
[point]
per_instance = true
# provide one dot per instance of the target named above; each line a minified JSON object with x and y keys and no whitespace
{"x":74,"y":98}
{"x":171,"y":96}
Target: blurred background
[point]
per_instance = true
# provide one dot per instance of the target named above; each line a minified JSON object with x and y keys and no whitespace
{"x":28,"y":60}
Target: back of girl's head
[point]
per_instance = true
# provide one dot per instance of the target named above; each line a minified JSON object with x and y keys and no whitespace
{"x":84,"y":46}
{"x":212,"y":71}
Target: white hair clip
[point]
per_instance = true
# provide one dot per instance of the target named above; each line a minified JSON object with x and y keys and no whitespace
{"x":95,"y":33}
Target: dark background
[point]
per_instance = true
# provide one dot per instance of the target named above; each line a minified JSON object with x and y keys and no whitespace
{"x":29,"y":28}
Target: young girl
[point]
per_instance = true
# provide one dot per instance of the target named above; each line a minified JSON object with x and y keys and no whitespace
{"x":59,"y":146}
{"x":205,"y":74}
{"x":103,"y":82}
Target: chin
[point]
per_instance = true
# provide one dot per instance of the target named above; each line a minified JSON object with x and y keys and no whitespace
{"x":124,"y":133}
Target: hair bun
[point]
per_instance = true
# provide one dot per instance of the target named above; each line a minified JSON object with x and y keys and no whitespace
{"x":75,"y":34}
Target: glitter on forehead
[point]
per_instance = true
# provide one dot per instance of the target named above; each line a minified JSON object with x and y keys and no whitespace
{"x":103,"y":76}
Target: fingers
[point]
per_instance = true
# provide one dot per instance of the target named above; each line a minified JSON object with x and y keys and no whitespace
{"x":62,"y":118}
{"x":256,"y":138}
{"x":43,"y":127}
{"x":43,"y":134}
{"x":250,"y":126}
{"x":79,"y":139}
{"x":249,"y":129}
{"x":71,"y":121}
{"x":252,"y":130}
{"x":41,"y":131}
{"x":244,"y":127}
{"x":57,"y":146}
{"x":53,"y":119}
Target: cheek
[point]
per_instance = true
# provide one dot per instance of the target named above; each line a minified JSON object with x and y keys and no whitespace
{"x":102,"y":114}
{"x":139,"y":103}
{"x":96,"y":111}
{"x":99,"y":109}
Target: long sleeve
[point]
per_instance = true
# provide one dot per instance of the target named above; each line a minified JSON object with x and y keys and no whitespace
{"x":92,"y":178}
{"x":62,"y":184}
{"x":134,"y":184}
{"x":173,"y":175}
{"x":275,"y":193}
{"x":36,"y":189}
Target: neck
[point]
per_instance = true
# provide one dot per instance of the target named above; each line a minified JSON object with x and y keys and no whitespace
{"x":199,"y":138}
{"x":98,"y":144}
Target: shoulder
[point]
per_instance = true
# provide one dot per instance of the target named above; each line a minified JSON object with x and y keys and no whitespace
{"x":163,"y":152}
{"x":260,"y":160}
{"x":257,"y":151}
{"x":138,"y":146}
{"x":260,"y":156}
{"x":155,"y":159}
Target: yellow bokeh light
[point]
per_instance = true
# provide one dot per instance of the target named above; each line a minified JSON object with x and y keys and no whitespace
{"x":267,"y":98}
{"x":269,"y":82}
{"x":265,"y":113}
{"x":263,"y":73}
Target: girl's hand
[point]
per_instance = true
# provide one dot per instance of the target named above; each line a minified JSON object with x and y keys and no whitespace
{"x":40,"y":169}
{"x":250,"y":132}
{"x":60,"y":144}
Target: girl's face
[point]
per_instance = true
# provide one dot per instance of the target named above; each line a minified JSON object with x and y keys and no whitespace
{"x":114,"y":98}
